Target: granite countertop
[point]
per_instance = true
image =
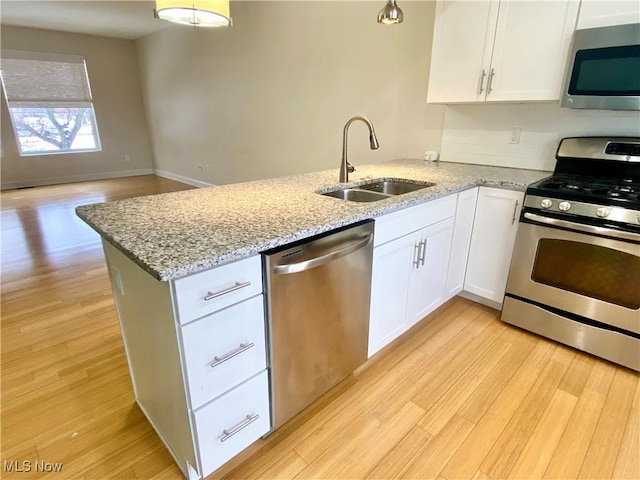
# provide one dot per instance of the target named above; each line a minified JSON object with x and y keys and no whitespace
{"x":176,"y":234}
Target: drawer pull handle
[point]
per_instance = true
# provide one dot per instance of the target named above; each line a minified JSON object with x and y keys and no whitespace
{"x":237,"y":286}
{"x":249,"y":419}
{"x":223,"y":358}
{"x":423,"y":251}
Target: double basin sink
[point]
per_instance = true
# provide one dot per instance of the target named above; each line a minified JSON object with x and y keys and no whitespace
{"x":377,"y":190}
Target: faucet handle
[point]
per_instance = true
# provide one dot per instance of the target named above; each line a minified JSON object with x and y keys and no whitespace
{"x":350,"y":168}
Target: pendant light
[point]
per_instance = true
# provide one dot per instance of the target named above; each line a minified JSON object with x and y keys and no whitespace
{"x":390,"y":14}
{"x":199,"y":13}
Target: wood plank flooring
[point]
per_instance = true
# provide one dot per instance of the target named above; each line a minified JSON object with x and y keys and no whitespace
{"x":462,"y":395}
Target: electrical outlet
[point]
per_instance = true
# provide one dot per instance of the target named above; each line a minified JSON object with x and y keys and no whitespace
{"x":514,"y":137}
{"x":431,"y":156}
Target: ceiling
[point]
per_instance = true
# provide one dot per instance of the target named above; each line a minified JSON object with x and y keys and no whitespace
{"x":116,"y":18}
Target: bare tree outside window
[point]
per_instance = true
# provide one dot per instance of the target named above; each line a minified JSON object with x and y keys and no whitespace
{"x":50,"y":130}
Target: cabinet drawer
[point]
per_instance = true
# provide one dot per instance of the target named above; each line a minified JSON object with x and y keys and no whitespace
{"x":207,"y":292}
{"x":224,"y":349}
{"x":403,"y":222}
{"x":233,"y":422}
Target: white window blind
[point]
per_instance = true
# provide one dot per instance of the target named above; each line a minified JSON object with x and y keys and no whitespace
{"x":34,"y":79}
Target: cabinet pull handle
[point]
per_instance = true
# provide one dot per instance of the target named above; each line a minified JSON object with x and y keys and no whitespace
{"x":237,"y":286}
{"x":217,"y":360}
{"x":515,"y":210}
{"x":249,"y":419}
{"x":423,"y":252}
{"x":482,"y":77}
{"x":490,"y":82}
{"x":416,"y":254}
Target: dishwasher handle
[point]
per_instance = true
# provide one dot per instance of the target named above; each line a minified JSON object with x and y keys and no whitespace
{"x":283,"y":269}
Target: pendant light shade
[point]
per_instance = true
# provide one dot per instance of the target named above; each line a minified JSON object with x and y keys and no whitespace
{"x":390,"y":14}
{"x":199,"y":13}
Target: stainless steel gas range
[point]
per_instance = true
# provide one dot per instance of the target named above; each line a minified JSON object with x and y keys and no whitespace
{"x":575,"y":272}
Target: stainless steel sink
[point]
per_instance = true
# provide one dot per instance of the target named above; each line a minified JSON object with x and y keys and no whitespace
{"x":379,"y":189}
{"x":395,"y":187}
{"x":355,"y":195}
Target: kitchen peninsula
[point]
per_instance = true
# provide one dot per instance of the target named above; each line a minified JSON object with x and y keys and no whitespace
{"x":176,"y":234}
{"x":188,"y":283}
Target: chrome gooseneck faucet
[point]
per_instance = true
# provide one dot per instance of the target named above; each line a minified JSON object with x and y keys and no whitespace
{"x":345,"y":166}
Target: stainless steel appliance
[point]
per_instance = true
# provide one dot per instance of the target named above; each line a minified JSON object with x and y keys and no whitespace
{"x":318,"y":312}
{"x":575,"y":272}
{"x":603,"y":71}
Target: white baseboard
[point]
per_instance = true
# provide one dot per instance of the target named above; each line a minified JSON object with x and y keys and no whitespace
{"x":183,"y":179}
{"x":38,"y":182}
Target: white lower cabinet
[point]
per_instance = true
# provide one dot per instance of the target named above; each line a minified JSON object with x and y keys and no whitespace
{"x":389,"y":287}
{"x":465,"y":212}
{"x":234,"y":421}
{"x":203,"y":384}
{"x":409,"y":271}
{"x":494,"y":233}
{"x":220,"y":350}
{"x":429,"y":270}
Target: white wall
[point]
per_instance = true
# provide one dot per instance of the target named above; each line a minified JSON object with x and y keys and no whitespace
{"x":115,"y":84}
{"x":270,"y":96}
{"x":480,"y":133}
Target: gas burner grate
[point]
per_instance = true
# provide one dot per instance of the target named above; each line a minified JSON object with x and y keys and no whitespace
{"x":596,"y":190}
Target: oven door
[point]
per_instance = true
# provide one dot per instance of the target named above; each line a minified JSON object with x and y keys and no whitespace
{"x":593,"y":272}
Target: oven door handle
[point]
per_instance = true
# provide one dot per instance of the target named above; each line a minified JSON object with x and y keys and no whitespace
{"x":607,"y":232}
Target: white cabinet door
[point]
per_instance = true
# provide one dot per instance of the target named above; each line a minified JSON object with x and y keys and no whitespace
{"x":462,"y":229}
{"x":462,"y":42}
{"x":530,"y":50}
{"x":494,"y":232}
{"x":389,"y":286}
{"x":605,"y":13}
{"x":429,"y":273}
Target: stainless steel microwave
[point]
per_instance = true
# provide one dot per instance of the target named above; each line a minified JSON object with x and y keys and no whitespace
{"x":603,"y":71}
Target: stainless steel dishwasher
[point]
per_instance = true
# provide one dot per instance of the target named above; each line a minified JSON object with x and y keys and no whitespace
{"x":318,"y":313}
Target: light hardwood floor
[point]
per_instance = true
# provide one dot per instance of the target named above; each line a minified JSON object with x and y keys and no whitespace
{"x":460,"y":396}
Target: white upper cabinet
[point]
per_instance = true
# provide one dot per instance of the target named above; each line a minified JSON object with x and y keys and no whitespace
{"x":496,"y":50}
{"x":462,"y":43}
{"x":604,"y":13}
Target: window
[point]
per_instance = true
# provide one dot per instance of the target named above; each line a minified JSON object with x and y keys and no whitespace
{"x":50,"y":102}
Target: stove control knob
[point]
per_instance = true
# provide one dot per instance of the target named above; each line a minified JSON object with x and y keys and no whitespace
{"x":564,"y":206}
{"x":602,"y":212}
{"x":546,"y":203}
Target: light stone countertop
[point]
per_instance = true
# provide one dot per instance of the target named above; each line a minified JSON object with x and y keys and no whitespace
{"x":176,"y":234}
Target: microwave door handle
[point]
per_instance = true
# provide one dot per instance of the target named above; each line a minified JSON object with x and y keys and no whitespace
{"x":607,"y":232}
